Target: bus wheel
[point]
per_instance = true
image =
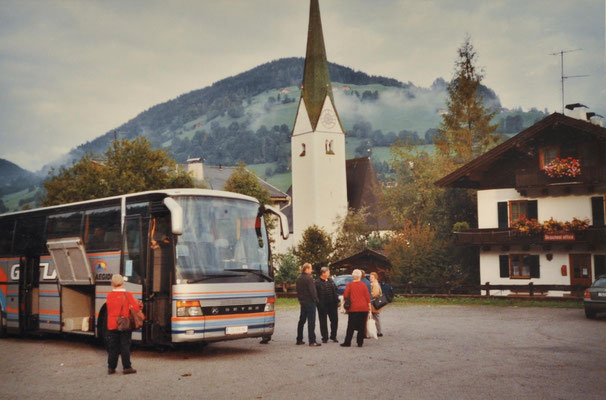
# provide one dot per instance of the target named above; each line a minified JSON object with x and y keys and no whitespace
{"x":265,"y":340}
{"x":102,"y":326}
{"x":2,"y":326}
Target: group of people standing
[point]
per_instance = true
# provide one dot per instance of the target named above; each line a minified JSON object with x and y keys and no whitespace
{"x":321,"y":294}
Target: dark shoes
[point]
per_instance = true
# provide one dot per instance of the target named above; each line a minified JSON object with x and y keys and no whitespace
{"x":127,"y":371}
{"x":345,"y":345}
{"x":111,"y":371}
{"x":379,"y":334}
{"x":324,"y":340}
{"x":314,"y":344}
{"x":335,"y":340}
{"x":300,"y":342}
{"x":360,"y":345}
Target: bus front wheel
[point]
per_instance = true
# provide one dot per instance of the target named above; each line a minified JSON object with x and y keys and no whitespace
{"x":2,"y":326}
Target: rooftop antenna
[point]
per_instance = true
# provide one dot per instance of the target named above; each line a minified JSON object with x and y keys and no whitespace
{"x":561,"y":54}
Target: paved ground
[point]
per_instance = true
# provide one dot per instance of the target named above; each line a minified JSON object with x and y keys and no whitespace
{"x":428,"y":352}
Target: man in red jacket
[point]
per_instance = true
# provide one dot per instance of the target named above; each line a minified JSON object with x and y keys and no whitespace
{"x":357,"y":293}
{"x":119,"y":302}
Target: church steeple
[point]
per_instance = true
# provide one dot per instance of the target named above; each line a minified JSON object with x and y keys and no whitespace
{"x":316,"y":78}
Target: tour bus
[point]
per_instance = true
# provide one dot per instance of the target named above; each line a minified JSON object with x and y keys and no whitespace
{"x":199,"y":260}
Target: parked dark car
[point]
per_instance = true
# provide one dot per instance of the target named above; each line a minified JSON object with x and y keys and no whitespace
{"x":595,"y":297}
{"x":342,"y":280}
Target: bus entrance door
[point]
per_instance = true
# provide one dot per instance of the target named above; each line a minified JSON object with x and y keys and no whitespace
{"x":159,"y":279}
{"x":29,"y":274}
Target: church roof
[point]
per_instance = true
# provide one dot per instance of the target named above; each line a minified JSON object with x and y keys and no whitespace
{"x":316,"y":78}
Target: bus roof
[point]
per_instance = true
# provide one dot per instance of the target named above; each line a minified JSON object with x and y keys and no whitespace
{"x":167,"y":192}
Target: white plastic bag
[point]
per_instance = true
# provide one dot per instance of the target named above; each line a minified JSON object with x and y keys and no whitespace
{"x":371,"y":328}
{"x":342,"y":309}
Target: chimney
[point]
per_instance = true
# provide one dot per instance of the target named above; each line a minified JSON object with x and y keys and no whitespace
{"x":195,"y":166}
{"x":577,"y":111}
{"x":595,"y":121}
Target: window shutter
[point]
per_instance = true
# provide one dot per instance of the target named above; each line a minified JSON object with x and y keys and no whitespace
{"x":504,"y":266}
{"x":532,"y":210}
{"x":502,"y":210}
{"x":599,"y":262}
{"x":597,"y":210}
{"x":533,"y":262}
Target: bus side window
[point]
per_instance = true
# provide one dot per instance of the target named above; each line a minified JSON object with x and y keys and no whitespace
{"x":64,"y":225}
{"x":7,"y":228}
{"x":102,"y":229}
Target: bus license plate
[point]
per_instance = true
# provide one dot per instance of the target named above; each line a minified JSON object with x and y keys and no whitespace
{"x":236,"y":330}
{"x":601,"y":294}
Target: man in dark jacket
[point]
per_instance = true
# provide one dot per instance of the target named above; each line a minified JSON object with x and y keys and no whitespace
{"x":308,"y":298}
{"x":328,"y":304}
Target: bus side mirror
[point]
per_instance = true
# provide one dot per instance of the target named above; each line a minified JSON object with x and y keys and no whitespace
{"x":176,"y":213}
{"x":284,"y":228}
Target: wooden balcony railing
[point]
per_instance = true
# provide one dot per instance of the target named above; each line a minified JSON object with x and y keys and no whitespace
{"x":591,"y":235}
{"x":531,"y":178}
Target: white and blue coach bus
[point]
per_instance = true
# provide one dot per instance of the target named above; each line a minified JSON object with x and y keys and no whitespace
{"x":198,"y":259}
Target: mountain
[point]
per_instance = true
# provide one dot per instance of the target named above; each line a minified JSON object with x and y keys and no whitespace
{"x":248,"y":118}
{"x":16,"y":180}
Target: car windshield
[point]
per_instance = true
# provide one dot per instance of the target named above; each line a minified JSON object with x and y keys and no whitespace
{"x":342,"y":279}
{"x":220,"y":242}
{"x":600,"y":283}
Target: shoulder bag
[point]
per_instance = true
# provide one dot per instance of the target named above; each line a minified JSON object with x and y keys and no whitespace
{"x":124,"y":323}
{"x":379,"y":302}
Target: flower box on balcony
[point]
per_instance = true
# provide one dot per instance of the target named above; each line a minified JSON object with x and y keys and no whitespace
{"x":563,"y":168}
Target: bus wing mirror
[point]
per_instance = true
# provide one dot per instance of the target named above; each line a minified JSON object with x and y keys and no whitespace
{"x":284,"y":228}
{"x":176,"y":213}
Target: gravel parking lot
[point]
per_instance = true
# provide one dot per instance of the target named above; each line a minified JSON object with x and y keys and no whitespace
{"x":428,"y":352}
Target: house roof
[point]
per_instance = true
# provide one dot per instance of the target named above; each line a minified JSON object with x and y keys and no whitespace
{"x":216,"y":177}
{"x":462,"y":176}
{"x":363,"y":257}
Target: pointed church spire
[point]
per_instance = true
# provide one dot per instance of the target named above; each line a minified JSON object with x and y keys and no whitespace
{"x":316,"y":79}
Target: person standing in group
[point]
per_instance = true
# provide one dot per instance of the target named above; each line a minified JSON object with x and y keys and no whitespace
{"x":308,"y":298}
{"x":359,"y":297}
{"x":375,"y":290}
{"x":119,"y":302}
{"x":327,"y":305}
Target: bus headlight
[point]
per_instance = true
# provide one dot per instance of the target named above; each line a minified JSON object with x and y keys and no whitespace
{"x":189,"y":308}
{"x":269,"y":306}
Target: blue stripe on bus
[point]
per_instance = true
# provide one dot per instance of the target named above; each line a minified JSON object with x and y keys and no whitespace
{"x":224,"y":322}
{"x":177,"y":332}
{"x":215,"y":296}
{"x":42,"y":294}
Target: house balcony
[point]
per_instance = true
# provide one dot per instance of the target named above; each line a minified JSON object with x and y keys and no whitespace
{"x":593,"y":237}
{"x":536,"y":182}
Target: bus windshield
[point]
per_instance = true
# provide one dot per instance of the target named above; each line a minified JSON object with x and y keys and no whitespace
{"x":219,"y":240}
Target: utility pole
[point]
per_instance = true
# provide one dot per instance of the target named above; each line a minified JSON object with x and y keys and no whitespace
{"x":561,"y":54}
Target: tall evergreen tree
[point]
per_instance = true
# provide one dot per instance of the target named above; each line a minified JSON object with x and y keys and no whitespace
{"x":466,"y":130}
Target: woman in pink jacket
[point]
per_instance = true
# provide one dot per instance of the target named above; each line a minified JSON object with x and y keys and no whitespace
{"x":357,"y":293}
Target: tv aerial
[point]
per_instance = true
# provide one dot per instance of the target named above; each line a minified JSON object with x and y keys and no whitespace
{"x":564,"y":77}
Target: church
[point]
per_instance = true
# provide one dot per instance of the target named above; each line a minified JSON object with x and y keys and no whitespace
{"x":324,"y":184}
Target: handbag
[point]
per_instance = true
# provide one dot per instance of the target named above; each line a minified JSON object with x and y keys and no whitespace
{"x":346,"y":303}
{"x":371,"y":328}
{"x":125,"y":323}
{"x":379,"y":302}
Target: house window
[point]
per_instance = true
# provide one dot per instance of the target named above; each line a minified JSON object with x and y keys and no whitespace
{"x":588,"y":155}
{"x":302,"y":150}
{"x":547,"y":155}
{"x":517,"y":210}
{"x":328,"y":146}
{"x":524,"y":266}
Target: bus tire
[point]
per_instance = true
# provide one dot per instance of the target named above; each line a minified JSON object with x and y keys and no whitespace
{"x":102,"y":326}
{"x":3,"y":324}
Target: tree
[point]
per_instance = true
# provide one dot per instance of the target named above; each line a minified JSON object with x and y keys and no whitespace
{"x":246,"y":182}
{"x":315,"y":247}
{"x":288,"y":271}
{"x":129,"y":166}
{"x":466,"y":131}
{"x":352,"y":235}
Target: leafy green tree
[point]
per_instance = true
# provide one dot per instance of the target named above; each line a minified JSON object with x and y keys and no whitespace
{"x":315,"y":247}
{"x":352,"y":235}
{"x":246,"y":182}
{"x":288,"y":270}
{"x":129,"y":166}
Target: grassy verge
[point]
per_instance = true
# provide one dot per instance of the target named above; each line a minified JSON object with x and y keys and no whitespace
{"x":288,"y":303}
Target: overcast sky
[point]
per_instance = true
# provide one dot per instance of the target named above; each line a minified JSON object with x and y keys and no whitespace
{"x":72,"y":70}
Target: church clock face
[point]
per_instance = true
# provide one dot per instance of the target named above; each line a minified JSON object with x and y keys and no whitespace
{"x":328,"y":119}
